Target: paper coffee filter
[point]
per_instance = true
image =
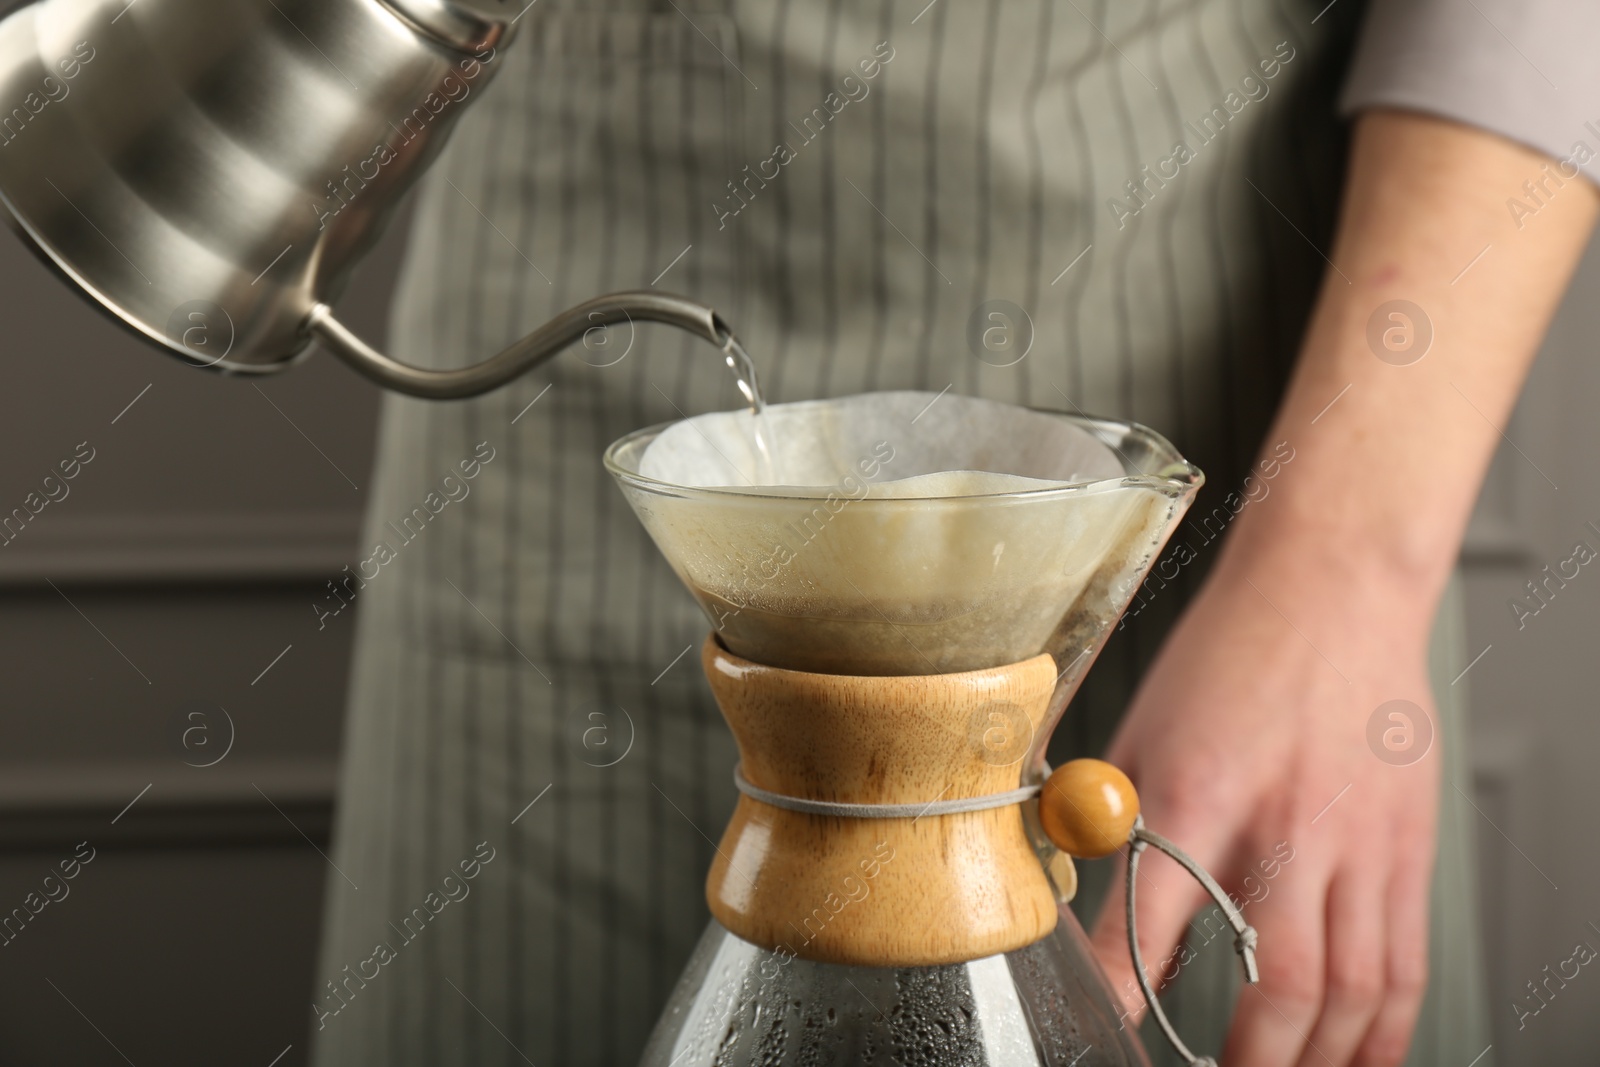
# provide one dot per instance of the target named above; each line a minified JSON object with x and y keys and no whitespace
{"x":902,"y":533}
{"x":817,"y":444}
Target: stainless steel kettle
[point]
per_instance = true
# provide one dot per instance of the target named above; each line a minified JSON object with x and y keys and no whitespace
{"x":210,"y":171}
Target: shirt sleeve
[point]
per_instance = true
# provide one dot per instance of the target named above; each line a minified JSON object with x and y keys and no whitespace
{"x":1528,"y":70}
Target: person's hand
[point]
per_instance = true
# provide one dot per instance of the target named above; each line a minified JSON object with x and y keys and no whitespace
{"x":1248,"y":744}
{"x":1251,"y":729}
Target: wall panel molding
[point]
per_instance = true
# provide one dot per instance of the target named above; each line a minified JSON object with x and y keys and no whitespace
{"x":247,"y":803}
{"x":153,"y":548}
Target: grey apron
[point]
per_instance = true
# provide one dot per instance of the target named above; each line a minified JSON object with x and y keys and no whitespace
{"x":853,"y":185}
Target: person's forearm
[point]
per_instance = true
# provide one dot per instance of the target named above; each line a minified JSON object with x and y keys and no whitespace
{"x":1374,"y":506}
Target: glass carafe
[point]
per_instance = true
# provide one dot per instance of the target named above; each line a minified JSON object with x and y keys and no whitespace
{"x":1045,"y":1004}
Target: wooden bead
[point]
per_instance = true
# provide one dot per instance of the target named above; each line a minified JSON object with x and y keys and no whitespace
{"x":1087,"y":808}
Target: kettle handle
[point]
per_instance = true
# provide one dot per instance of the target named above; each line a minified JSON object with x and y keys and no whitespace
{"x":1244,"y":942}
{"x":570,"y":326}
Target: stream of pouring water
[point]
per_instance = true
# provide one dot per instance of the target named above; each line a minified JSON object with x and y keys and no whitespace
{"x":744,"y":376}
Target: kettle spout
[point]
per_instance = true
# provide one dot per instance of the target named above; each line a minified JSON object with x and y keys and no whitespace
{"x":579,"y":323}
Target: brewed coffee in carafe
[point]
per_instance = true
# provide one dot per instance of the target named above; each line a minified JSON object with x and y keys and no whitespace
{"x":903,"y":595}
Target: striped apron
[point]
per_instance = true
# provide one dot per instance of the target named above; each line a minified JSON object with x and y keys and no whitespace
{"x":534,"y":772}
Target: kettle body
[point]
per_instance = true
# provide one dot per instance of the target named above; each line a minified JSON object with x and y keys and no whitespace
{"x":210,"y":170}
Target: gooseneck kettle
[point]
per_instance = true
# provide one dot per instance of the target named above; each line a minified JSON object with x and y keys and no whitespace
{"x":209,"y":172}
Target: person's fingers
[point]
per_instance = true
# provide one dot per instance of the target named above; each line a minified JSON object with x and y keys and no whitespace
{"x":1167,"y":899}
{"x":1356,"y":972}
{"x":1273,"y":1019}
{"x":1406,"y":968}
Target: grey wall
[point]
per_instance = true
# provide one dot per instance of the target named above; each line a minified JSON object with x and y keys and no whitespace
{"x":137,"y":615}
{"x":1534,"y":700}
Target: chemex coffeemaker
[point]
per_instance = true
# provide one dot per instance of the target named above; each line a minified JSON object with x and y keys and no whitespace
{"x":905,"y":589}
